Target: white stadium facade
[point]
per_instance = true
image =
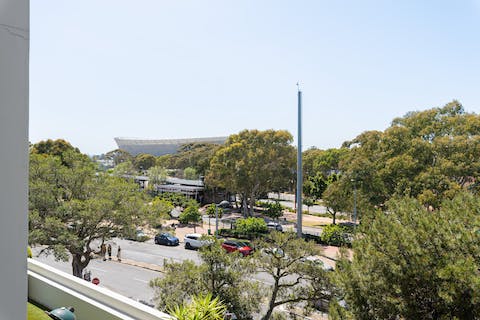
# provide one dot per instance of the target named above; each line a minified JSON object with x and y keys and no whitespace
{"x":161,"y":147}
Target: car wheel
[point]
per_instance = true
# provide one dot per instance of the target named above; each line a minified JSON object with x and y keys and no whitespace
{"x":156,"y":241}
{"x":188,"y":245}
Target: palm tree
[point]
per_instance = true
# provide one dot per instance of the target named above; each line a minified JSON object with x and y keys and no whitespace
{"x":202,"y":307}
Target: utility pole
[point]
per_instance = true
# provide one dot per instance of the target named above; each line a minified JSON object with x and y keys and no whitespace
{"x":299,"y":166}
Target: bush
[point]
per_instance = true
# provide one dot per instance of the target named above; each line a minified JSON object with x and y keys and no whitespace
{"x":335,"y":235}
{"x":190,"y":214}
{"x":251,"y":225}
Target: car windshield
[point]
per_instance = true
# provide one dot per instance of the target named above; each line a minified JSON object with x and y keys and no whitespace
{"x":242,"y":244}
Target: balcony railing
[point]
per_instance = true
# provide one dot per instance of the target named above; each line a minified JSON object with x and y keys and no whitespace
{"x":53,"y":288}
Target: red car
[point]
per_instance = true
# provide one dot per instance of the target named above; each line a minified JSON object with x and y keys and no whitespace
{"x":231,"y":246}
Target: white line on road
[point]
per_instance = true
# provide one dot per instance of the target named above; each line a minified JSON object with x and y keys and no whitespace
{"x":141,"y":280}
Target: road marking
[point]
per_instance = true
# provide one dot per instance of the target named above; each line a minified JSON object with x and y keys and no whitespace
{"x":141,"y":280}
{"x":98,"y":269}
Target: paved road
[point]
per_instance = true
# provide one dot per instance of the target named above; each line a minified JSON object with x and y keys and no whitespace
{"x":130,"y":281}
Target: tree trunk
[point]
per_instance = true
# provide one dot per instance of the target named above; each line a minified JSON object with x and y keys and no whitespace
{"x":252,"y":204}
{"x":78,"y":265}
{"x":334,"y":216}
{"x":271,"y":304}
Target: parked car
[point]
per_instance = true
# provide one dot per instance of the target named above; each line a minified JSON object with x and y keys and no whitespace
{"x":166,"y":239}
{"x":274,"y":226}
{"x":138,"y":235}
{"x":224,"y":204}
{"x":233,"y":245}
{"x":193,"y":241}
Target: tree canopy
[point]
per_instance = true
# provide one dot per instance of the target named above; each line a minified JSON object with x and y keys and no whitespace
{"x":411,"y":263}
{"x":252,"y":163}
{"x":429,"y":155}
{"x":223,"y":275}
{"x":283,"y":257}
{"x":72,"y":206}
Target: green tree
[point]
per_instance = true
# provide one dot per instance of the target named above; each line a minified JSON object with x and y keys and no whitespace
{"x":252,"y":163}
{"x":118,"y":156}
{"x":308,"y":202}
{"x":144,"y":161}
{"x":411,"y":263}
{"x":251,"y":225}
{"x":72,"y":206}
{"x":156,"y":175}
{"x":294,"y":280}
{"x":125,"y":168}
{"x":214,"y":211}
{"x":337,"y":198}
{"x":429,"y":155}
{"x":274,"y":210}
{"x":158,"y":211}
{"x":190,"y":214}
{"x":190,"y":173}
{"x":226,"y":276}
{"x":202,"y":307}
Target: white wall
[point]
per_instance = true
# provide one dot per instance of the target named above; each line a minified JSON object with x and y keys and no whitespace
{"x":14,"y":46}
{"x":54,"y":288}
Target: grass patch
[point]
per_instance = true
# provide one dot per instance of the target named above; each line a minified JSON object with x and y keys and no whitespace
{"x":35,"y":313}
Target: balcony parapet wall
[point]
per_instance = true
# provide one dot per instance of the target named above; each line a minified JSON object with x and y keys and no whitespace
{"x":53,"y":288}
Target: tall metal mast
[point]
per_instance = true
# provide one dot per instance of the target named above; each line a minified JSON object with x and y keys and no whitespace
{"x":299,"y":166}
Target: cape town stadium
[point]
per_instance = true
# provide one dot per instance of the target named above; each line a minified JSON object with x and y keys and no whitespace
{"x":161,"y":147}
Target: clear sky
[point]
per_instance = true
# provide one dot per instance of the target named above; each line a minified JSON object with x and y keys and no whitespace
{"x":178,"y":69}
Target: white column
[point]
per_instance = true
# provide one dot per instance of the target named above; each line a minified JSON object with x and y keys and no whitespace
{"x":14,"y":54}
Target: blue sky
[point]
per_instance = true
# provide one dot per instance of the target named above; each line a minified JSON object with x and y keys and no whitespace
{"x":178,"y":69}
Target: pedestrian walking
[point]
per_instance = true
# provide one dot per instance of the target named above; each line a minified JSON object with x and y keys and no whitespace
{"x":103,"y":251}
{"x":119,"y":256}
{"x":109,"y":250}
{"x":87,"y":275}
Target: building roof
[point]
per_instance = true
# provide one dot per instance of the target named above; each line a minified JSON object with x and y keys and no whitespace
{"x":158,"y":147}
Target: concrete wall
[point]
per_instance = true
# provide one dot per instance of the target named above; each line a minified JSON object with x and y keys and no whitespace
{"x":53,"y":288}
{"x":14,"y":50}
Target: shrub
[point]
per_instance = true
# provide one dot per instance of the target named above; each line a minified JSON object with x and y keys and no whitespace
{"x":190,"y":214}
{"x":251,"y":225}
{"x":335,"y":235}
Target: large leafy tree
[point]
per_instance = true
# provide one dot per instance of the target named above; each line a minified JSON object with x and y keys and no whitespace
{"x":72,"y":206}
{"x":144,"y":161}
{"x":57,"y":148}
{"x":225,"y":276}
{"x":412,"y":263}
{"x":118,"y":156}
{"x":294,"y":279}
{"x":429,"y":155}
{"x":252,"y":163}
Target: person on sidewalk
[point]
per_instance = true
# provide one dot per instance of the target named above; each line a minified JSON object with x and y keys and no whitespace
{"x":119,"y":257}
{"x":103,"y":251}
{"x":109,"y":250}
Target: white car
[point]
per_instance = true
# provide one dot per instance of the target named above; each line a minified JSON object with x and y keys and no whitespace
{"x":192,"y":241}
{"x":274,"y":226}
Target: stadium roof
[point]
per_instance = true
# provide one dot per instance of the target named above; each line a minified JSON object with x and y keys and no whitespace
{"x":161,"y":147}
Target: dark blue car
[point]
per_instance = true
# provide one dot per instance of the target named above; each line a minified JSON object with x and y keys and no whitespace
{"x":166,"y":239}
